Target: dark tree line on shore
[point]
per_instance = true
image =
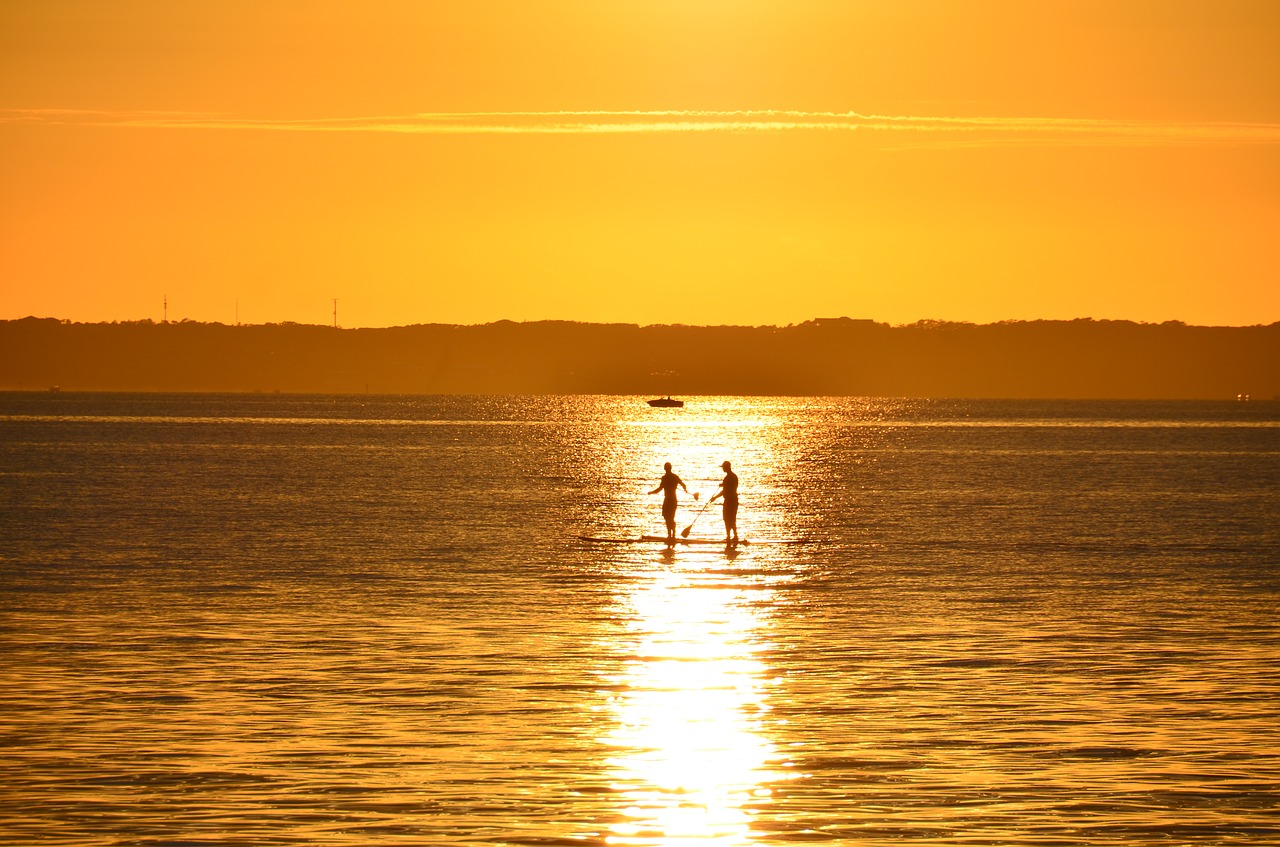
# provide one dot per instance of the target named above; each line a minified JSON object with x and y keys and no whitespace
{"x":1022,"y":359}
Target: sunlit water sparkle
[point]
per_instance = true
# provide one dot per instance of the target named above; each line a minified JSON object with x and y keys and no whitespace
{"x":354,"y":620}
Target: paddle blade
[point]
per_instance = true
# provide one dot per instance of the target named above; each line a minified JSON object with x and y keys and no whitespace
{"x":685,"y":534}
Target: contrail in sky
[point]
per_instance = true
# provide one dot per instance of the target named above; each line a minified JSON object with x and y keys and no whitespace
{"x":963,"y":130}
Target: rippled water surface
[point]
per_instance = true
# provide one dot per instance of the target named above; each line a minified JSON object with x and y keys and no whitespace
{"x":371,"y":620}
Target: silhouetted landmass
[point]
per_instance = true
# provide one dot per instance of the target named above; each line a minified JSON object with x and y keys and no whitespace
{"x":1032,"y":359}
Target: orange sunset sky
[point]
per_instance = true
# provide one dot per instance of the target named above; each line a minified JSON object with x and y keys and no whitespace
{"x":663,"y":161}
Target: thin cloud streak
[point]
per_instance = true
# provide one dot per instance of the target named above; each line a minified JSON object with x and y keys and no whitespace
{"x":958,"y":131}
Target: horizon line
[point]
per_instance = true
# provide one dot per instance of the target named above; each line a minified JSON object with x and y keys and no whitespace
{"x":920,"y":323}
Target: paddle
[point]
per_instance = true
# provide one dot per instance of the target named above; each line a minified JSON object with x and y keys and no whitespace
{"x":689,"y":528}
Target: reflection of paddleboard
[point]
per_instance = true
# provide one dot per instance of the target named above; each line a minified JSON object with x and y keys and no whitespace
{"x":662,"y":539}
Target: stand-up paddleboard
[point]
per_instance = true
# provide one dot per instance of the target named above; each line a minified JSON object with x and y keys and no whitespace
{"x":658,"y":539}
{"x":662,"y":539}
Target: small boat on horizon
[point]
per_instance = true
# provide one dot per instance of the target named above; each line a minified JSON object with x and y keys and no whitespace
{"x":666,"y":403}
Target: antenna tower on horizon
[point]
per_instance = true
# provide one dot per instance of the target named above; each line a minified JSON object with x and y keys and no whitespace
{"x":335,"y":312}
{"x":166,"y":308}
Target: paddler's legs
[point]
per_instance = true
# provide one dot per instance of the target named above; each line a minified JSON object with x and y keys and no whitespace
{"x":669,"y":515}
{"x":730,"y":512}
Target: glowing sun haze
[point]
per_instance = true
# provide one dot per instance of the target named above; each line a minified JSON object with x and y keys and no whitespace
{"x":664,"y":161}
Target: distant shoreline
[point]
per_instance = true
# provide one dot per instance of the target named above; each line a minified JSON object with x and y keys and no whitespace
{"x":1079,"y":359}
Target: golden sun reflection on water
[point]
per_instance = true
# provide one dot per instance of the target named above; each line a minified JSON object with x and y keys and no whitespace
{"x":690,"y":758}
{"x":689,"y":750}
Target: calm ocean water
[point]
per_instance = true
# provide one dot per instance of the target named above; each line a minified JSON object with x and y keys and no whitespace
{"x":261,"y":619}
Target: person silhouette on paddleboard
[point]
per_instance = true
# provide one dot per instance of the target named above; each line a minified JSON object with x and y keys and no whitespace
{"x":667,"y":485}
{"x":729,"y":492}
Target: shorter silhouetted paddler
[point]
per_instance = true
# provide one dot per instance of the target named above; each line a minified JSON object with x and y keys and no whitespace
{"x":667,"y":485}
{"x":729,"y":492}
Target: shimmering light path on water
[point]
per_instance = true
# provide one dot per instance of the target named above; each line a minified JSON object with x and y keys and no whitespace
{"x":349,"y":620}
{"x":693,"y":757}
